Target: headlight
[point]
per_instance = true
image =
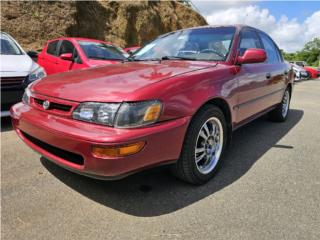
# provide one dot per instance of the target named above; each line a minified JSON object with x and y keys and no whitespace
{"x":138,"y":114}
{"x":36,"y":74}
{"x":102,"y":113}
{"x":124,"y":115}
{"x":26,"y":96}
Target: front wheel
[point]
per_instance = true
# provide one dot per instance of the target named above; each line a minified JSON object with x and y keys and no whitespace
{"x":280,"y":113}
{"x":203,"y":146}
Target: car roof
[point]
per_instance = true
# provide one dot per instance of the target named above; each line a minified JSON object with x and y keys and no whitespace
{"x":80,"y":39}
{"x":218,"y":25}
{"x":237,"y":26}
{"x":7,"y":35}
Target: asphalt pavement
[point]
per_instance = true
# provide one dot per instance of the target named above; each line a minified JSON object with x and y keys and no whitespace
{"x":268,"y":188}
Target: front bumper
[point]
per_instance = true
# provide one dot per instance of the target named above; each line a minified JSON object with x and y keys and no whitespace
{"x":65,"y":141}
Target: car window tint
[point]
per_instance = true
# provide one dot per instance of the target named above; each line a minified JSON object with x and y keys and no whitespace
{"x":249,"y":39}
{"x":270,"y":48}
{"x":102,"y":51}
{"x":76,"y":57}
{"x":52,"y":47}
{"x":66,"y":47}
{"x":8,"y":46}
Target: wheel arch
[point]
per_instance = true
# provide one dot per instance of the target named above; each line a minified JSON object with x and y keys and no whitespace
{"x":225,"y":108}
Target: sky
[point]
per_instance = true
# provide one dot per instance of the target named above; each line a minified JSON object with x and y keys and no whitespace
{"x":290,"y":23}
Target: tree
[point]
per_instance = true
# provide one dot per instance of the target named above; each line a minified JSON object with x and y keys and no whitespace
{"x":310,"y":53}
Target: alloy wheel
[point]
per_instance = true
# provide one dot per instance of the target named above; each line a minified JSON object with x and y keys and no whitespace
{"x":209,"y":145}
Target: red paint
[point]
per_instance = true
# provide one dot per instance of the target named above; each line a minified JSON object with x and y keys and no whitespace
{"x":182,"y":86}
{"x":56,"y":64}
{"x":314,"y":73}
{"x":131,"y":49}
{"x":253,"y":56}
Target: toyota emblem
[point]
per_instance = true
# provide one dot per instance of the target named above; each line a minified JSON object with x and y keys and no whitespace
{"x":46,"y":105}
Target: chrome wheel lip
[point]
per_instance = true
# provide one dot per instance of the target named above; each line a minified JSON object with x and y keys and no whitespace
{"x":209,"y":145}
{"x":285,"y":103}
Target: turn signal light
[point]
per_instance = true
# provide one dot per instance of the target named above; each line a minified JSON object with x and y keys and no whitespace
{"x":152,"y":113}
{"x":117,"y":151}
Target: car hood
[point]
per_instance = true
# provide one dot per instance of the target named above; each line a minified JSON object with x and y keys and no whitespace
{"x":15,"y":65}
{"x":114,"y":82}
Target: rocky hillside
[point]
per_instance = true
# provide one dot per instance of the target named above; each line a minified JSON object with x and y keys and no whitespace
{"x":124,"y":23}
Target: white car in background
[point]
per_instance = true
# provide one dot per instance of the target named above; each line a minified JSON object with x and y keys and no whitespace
{"x":17,"y":71}
{"x":299,"y":72}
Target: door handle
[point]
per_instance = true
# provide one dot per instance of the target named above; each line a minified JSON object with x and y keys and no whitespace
{"x":268,"y":75}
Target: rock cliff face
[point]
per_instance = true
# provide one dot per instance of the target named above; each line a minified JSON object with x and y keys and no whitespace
{"x":124,"y":23}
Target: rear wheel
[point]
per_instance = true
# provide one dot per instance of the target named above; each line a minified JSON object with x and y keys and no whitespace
{"x":280,"y":113}
{"x":203,"y":146}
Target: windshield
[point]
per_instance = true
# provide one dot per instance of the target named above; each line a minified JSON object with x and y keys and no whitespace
{"x":102,"y":51}
{"x":8,"y":47}
{"x":208,"y":44}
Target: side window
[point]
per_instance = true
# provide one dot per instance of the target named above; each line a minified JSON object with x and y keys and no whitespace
{"x":52,"y":48}
{"x":66,"y":47}
{"x":271,"y":50}
{"x":76,"y":57}
{"x":249,"y":39}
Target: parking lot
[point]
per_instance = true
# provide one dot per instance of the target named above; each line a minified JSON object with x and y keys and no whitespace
{"x":268,"y":188}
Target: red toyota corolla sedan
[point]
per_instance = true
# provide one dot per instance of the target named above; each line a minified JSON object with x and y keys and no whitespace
{"x":177,"y":101}
{"x":64,"y":54}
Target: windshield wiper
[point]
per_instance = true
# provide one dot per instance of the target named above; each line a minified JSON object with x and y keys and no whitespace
{"x":102,"y":58}
{"x":130,"y":59}
{"x":178,"y":57}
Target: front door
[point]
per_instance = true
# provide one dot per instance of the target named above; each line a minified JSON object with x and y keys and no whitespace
{"x":252,"y":79}
{"x":66,"y":65}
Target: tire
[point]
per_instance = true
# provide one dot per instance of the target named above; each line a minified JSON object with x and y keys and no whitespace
{"x":189,"y":168}
{"x":280,"y":113}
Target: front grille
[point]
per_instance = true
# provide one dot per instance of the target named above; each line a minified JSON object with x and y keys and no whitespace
{"x":54,"y":105}
{"x":65,"y":155}
{"x":12,"y":82}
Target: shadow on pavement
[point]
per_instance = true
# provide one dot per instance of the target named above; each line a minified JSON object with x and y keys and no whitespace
{"x":6,"y":124}
{"x":156,"y":192}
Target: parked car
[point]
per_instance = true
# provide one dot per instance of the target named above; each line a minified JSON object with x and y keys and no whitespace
{"x":299,"y":73}
{"x":312,"y":71}
{"x":132,"y":50}
{"x":64,"y":54}
{"x":176,"y":101}
{"x":17,"y":70}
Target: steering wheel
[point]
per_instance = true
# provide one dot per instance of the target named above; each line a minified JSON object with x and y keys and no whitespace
{"x":208,"y":50}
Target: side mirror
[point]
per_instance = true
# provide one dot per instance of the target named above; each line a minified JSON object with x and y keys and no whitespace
{"x":33,"y":55}
{"x":66,"y":56}
{"x":252,"y":55}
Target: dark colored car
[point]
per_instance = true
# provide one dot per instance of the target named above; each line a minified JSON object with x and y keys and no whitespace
{"x":65,"y":54}
{"x":176,"y":101}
